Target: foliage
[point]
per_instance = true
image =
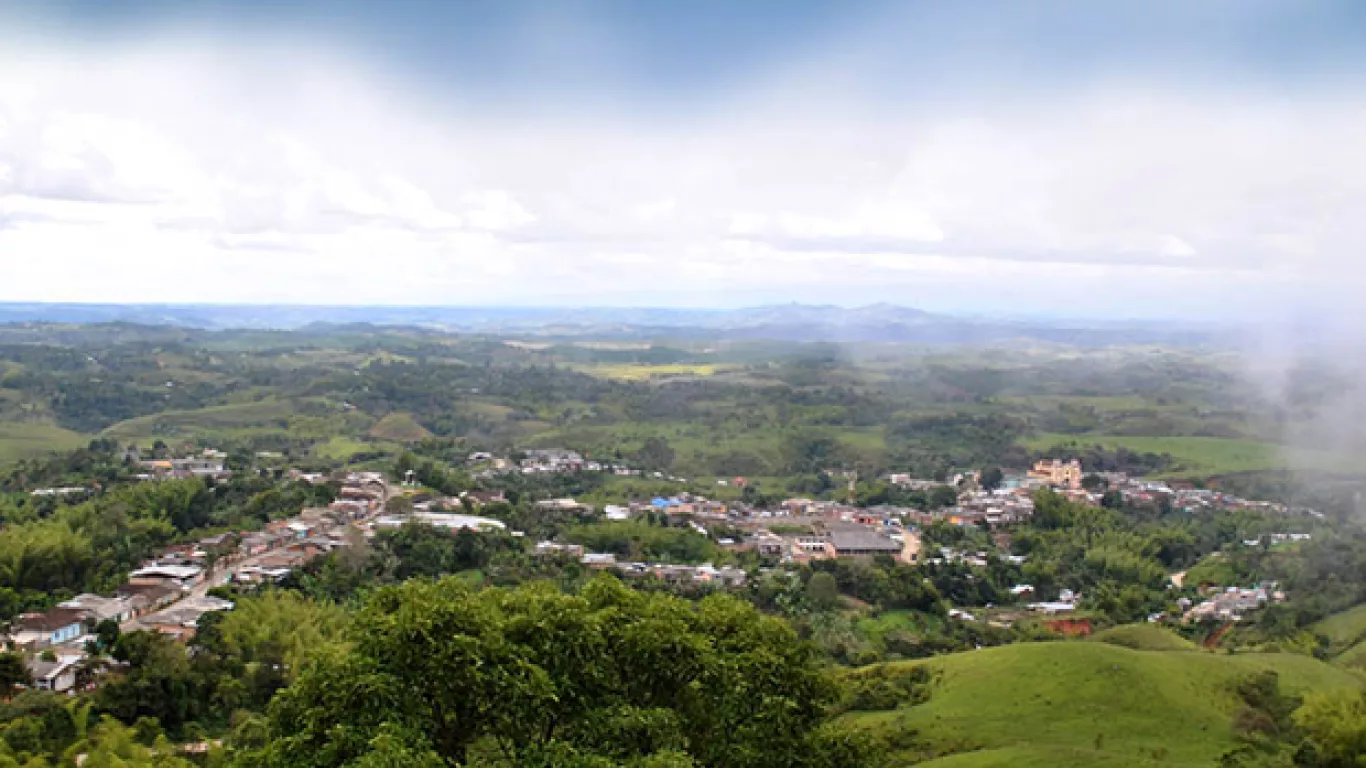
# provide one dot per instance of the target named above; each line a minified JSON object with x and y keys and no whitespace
{"x":611,"y":673}
{"x":638,"y":540}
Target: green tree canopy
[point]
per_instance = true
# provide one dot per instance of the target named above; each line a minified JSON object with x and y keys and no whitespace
{"x":531,"y":676}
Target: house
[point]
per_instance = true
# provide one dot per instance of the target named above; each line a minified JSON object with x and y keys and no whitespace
{"x":148,"y":597}
{"x":551,"y":548}
{"x":593,"y":560}
{"x":260,"y":543}
{"x":221,"y":542}
{"x":1059,"y":473}
{"x":862,"y":543}
{"x":57,"y":676}
{"x":770,"y":545}
{"x":40,"y":630}
{"x":616,"y":512}
{"x":98,"y":608}
{"x":285,"y":559}
{"x":1052,"y":608}
{"x":568,"y":506}
{"x":183,"y":576}
{"x":480,"y":498}
{"x":259,"y":574}
{"x":301,"y":530}
{"x":442,"y":520}
{"x":182,"y":619}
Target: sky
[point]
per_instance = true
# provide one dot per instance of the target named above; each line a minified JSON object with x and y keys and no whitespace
{"x":1189,"y":160}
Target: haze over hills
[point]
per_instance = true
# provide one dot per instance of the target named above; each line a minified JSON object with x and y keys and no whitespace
{"x":787,"y":322}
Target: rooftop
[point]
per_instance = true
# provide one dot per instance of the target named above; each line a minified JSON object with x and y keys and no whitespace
{"x":863,"y":541}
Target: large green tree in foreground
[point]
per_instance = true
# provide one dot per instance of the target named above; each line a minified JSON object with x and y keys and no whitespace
{"x":435,"y":674}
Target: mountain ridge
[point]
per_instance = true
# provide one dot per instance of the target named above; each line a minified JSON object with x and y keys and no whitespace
{"x":873,"y":323}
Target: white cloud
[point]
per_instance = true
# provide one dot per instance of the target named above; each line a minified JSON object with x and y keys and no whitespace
{"x":166,"y":174}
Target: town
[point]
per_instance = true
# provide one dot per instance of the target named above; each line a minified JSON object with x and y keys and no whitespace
{"x":169,"y":593}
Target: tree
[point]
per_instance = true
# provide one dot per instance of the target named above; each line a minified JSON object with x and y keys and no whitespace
{"x":107,"y":635}
{"x":807,"y":453}
{"x":605,"y":677}
{"x":398,"y":505}
{"x":655,"y":453}
{"x":158,"y":682}
{"x":991,"y":478}
{"x":823,"y":592}
{"x":13,"y":673}
{"x":1335,"y":724}
{"x":1094,"y":482}
{"x":943,"y":496}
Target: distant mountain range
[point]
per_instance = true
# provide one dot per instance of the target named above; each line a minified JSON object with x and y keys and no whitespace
{"x":787,"y":322}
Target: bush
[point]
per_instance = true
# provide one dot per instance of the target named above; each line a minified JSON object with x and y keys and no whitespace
{"x":885,"y":688}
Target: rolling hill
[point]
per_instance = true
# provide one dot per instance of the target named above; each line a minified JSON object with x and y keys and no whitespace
{"x":1085,"y":703}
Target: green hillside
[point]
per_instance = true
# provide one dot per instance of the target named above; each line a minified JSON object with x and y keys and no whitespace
{"x":1085,"y":703}
{"x":269,"y":413}
{"x":1144,"y":637}
{"x":399,"y":427}
{"x":22,"y":439}
{"x":1346,"y":633}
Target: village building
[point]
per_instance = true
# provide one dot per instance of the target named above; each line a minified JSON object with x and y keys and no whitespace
{"x":183,"y":576}
{"x":1058,"y":473}
{"x":862,"y":543}
{"x":565,"y":506}
{"x":98,"y":608}
{"x":181,"y":620}
{"x":442,"y":520}
{"x":36,"y":631}
{"x":551,"y":549}
{"x":58,"y":676}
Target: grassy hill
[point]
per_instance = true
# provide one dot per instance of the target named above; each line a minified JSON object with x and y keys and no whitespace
{"x":21,"y":439}
{"x":1144,"y":637}
{"x":1084,"y":704}
{"x":400,"y":428}
{"x":268,"y":413}
{"x":1208,"y":455}
{"x":1346,"y":633}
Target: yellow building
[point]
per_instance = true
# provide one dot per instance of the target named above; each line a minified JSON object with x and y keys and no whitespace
{"x":1059,"y":473}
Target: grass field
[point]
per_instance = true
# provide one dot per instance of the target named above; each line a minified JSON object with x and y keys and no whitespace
{"x":633,"y":372}
{"x":343,"y":448}
{"x":1346,"y":633}
{"x":400,"y":428}
{"x":1211,"y":455}
{"x":268,"y":413}
{"x":697,"y":446}
{"x":23,"y":439}
{"x":1087,"y":703}
{"x":1144,"y":637}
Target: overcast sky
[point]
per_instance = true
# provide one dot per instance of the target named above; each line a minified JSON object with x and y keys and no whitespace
{"x":1191,"y":159}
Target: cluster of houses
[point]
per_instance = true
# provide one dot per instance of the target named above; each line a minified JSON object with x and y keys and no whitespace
{"x":1230,"y":603}
{"x":558,"y":461}
{"x":208,"y":464}
{"x":544,"y":461}
{"x":725,"y":576}
{"x":168,"y":593}
{"x":1012,"y":501}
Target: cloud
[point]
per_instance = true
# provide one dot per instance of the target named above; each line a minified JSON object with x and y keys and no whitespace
{"x":168,"y":172}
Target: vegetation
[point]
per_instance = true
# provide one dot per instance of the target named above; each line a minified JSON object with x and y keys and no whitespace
{"x":1084,"y":703}
{"x":425,"y":647}
{"x":438,"y":674}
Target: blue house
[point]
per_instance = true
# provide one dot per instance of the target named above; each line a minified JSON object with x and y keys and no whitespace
{"x":57,"y":626}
